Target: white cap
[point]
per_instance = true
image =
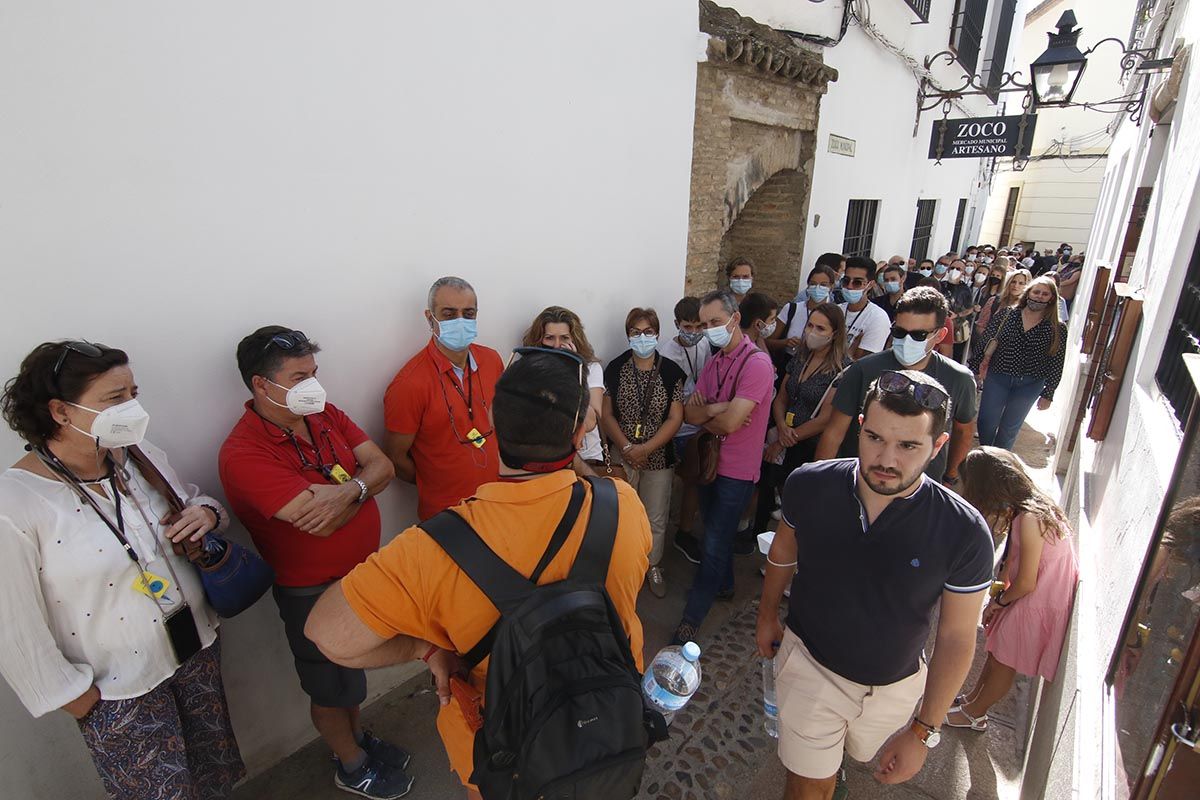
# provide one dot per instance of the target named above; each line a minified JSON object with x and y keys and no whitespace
{"x":691,"y":651}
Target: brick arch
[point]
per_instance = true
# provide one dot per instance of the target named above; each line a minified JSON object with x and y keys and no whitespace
{"x":769,"y":151}
{"x":769,"y":230}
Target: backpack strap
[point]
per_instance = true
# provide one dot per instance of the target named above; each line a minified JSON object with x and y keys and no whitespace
{"x":591,"y":564}
{"x":504,"y":586}
{"x":484,"y":646}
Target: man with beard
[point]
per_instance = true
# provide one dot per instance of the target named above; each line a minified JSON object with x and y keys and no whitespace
{"x":867,"y":564}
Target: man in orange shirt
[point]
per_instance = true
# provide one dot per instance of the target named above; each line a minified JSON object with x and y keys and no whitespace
{"x":411,"y":592}
{"x":436,"y":408}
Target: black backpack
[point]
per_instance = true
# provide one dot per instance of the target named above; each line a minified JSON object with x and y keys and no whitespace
{"x":563,"y":711}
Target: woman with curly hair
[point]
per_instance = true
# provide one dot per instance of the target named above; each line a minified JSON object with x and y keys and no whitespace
{"x":1025,"y":623}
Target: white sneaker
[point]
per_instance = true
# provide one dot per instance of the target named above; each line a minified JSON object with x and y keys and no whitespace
{"x":777,"y":514}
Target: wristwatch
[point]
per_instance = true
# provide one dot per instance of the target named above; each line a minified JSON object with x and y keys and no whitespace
{"x":363,"y":490}
{"x":950,"y":480}
{"x":928,"y":735}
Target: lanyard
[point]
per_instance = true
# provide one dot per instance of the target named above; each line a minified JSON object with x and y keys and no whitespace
{"x":320,"y":466}
{"x":722,"y":378}
{"x":695,"y":375}
{"x":647,"y":392}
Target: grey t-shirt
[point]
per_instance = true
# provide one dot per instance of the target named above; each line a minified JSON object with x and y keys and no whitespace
{"x":852,"y":391}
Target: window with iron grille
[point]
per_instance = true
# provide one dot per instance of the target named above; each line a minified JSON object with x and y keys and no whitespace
{"x":995,"y":71}
{"x":1182,"y":337}
{"x":1010,"y":214}
{"x":860,"y":228}
{"x":920,"y":8}
{"x":958,"y":223}
{"x":922,"y":228}
{"x":966,"y":31}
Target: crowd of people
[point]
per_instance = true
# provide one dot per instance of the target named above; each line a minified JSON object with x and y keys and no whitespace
{"x":848,"y":410}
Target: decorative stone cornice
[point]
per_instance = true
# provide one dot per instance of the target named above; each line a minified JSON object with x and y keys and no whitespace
{"x":737,"y":39}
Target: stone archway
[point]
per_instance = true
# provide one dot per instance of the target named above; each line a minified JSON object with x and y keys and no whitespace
{"x":757,"y":101}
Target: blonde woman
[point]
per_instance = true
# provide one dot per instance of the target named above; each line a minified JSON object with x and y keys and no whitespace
{"x":1022,"y":364}
{"x":997,"y":309}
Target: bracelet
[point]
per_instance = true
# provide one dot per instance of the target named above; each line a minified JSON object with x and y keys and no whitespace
{"x":776,"y":564}
{"x":998,"y":602}
{"x":628,"y":447}
{"x":216,"y":513}
{"x":364,"y":491}
{"x":433,"y":648}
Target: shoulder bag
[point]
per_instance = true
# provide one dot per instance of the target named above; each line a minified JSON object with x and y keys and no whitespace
{"x":234,"y":577}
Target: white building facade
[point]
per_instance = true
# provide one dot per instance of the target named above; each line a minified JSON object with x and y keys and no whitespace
{"x":875,"y":190}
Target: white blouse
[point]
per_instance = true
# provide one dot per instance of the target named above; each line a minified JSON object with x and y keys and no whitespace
{"x":72,"y":615}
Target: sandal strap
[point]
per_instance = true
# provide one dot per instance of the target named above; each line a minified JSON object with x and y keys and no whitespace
{"x":964,"y":712}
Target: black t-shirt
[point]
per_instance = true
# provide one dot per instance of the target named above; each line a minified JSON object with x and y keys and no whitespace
{"x":863,"y":596}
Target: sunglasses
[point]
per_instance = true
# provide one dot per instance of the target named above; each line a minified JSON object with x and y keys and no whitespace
{"x":288,"y":340}
{"x":83,"y":348}
{"x":933,"y":398}
{"x":917,"y":336}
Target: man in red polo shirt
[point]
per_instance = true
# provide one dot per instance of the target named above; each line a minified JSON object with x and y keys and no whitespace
{"x":436,"y":408}
{"x":301,"y":476}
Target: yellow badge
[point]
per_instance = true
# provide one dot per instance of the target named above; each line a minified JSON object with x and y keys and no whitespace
{"x":151,"y":585}
{"x":476,"y":438}
{"x":790,"y":419}
{"x":338,"y":474}
{"x":637,"y":431}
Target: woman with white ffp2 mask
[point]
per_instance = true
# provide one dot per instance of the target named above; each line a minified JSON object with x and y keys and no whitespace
{"x":91,"y":554}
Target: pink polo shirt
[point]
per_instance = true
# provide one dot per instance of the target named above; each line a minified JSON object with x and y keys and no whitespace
{"x":746,"y":373}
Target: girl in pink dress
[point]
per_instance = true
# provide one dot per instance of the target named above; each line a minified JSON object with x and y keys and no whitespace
{"x":1027,"y":622}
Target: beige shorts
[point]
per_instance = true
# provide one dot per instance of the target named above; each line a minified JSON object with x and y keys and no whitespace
{"x":821,"y":713}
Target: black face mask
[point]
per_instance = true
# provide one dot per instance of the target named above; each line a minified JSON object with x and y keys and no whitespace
{"x":993,"y":280}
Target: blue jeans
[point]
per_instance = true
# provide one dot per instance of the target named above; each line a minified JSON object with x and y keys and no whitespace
{"x":1006,"y":402}
{"x":721,"y":506}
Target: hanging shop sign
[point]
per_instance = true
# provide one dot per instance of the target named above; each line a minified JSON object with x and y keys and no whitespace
{"x":977,"y":137}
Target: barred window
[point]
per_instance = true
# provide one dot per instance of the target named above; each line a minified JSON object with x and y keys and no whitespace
{"x":1182,"y":337}
{"x":860,"y":228}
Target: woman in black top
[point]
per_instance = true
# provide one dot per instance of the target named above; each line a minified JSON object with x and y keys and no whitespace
{"x":799,"y":413}
{"x":957,"y":288}
{"x":1022,"y":364}
{"x":643,"y":409}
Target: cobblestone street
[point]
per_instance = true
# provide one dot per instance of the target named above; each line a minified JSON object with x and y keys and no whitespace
{"x":718,"y":748}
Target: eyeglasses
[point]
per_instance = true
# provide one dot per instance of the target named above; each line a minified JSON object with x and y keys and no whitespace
{"x":288,"y":340}
{"x":933,"y":398}
{"x":917,"y":336}
{"x":83,"y":348}
{"x":642,"y":332}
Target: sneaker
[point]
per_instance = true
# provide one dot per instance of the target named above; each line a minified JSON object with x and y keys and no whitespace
{"x":687,"y":544}
{"x":777,"y":514}
{"x":386,"y":752}
{"x":658,"y":586}
{"x":374,"y":779}
{"x":727,"y":594}
{"x":684,"y":633}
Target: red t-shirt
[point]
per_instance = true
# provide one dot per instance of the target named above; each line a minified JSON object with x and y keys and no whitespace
{"x":428,"y":399}
{"x":262,"y":471}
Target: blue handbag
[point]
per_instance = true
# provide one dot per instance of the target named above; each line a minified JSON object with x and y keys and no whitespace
{"x":234,"y":576}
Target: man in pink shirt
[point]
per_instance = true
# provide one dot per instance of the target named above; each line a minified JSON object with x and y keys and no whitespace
{"x":732,"y":400}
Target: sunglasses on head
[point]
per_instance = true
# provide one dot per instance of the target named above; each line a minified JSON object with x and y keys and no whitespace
{"x":927,"y":396}
{"x":288,"y":340}
{"x":83,"y":348}
{"x":917,"y":336}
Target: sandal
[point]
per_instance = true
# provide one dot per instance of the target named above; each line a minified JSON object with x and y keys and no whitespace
{"x":979,"y":723}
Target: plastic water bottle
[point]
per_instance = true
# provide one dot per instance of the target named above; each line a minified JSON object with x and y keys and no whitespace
{"x":672,"y":679}
{"x":770,"y":708}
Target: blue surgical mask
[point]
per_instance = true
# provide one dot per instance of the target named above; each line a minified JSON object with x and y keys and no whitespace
{"x":817,"y":293}
{"x":908,"y":351}
{"x":891,"y":287}
{"x":852,"y":295}
{"x":719,"y":336}
{"x":924,"y":273}
{"x":456,"y":334}
{"x":940,"y":269}
{"x":741,"y":285}
{"x":690,"y":339}
{"x":643,"y":344}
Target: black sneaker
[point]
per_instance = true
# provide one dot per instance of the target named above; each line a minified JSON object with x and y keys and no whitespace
{"x":745,"y":543}
{"x":688,"y":545}
{"x":386,"y":752}
{"x":374,"y":779}
{"x":684,"y":633}
{"x":726,"y":594}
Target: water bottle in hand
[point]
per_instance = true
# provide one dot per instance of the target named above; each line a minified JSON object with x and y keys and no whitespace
{"x":672,"y":678}
{"x":770,"y":709}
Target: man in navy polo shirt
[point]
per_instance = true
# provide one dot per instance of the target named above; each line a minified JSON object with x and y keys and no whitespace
{"x":867,"y":564}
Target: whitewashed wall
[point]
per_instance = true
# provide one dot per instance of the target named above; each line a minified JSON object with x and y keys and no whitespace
{"x":174,"y":176}
{"x":1119,"y":484}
